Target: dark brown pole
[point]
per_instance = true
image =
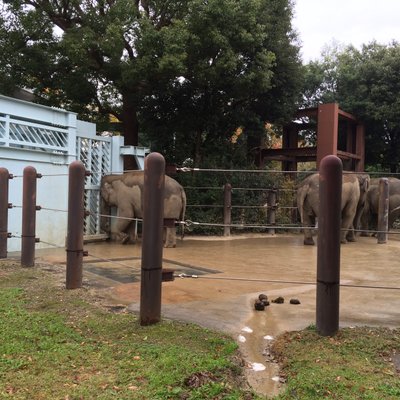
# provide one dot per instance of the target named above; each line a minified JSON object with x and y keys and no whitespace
{"x":227,"y":208}
{"x":383,"y":210}
{"x":76,"y":215}
{"x":271,"y":210}
{"x":4,"y":206}
{"x":28,"y":239}
{"x":328,"y":252}
{"x":152,"y":239}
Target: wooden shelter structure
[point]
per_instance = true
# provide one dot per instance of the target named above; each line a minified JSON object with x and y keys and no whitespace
{"x":337,"y":132}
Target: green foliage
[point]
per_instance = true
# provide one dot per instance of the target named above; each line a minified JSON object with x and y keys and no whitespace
{"x":242,"y":69}
{"x":250,"y":192}
{"x":189,"y":71}
{"x":366,"y":83}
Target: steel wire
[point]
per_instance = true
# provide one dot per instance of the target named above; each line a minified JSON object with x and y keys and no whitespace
{"x":53,"y":209}
{"x":188,"y":169}
{"x":189,"y":223}
{"x":118,"y":217}
{"x":281,"y":281}
{"x":254,"y":171}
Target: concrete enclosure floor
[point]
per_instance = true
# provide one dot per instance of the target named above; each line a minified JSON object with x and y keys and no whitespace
{"x":232,"y":272}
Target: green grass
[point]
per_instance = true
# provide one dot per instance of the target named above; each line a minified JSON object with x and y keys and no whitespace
{"x":57,"y":344}
{"x":354,"y":364}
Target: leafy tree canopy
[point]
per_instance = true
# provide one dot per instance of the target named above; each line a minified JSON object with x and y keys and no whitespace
{"x":191,"y":71}
{"x":366,"y":83}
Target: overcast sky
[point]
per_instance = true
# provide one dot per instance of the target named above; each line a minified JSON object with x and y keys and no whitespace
{"x":320,"y":22}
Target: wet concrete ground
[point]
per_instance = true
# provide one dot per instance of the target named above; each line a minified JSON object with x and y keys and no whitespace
{"x":232,"y":272}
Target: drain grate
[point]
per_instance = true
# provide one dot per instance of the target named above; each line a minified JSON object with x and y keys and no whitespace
{"x":123,"y":273}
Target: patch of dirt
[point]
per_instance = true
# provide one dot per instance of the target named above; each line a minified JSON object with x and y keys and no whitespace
{"x":48,"y":282}
{"x":199,"y":379}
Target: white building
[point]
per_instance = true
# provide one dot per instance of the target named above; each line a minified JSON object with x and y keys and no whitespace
{"x":49,"y":139}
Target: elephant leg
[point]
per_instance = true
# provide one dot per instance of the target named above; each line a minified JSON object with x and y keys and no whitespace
{"x":350,"y":236}
{"x":364,"y":222}
{"x":132,"y":232}
{"x":122,"y":227}
{"x":374,"y":225}
{"x":308,"y":222}
{"x":343,"y":234}
{"x":347,"y":232}
{"x":170,"y":237}
{"x":105,"y":210}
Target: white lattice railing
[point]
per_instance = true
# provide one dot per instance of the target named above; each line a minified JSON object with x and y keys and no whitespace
{"x":95,"y":153}
{"x":33,"y":126}
{"x":21,"y":133}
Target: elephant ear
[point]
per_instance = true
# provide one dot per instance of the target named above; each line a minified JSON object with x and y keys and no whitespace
{"x":106,"y":190}
{"x":364,"y":182}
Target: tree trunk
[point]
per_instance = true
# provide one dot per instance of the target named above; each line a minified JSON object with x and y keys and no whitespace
{"x":130,"y":126}
{"x":197,"y":149}
{"x":393,"y":153}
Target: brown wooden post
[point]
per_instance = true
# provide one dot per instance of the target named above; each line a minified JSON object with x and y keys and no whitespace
{"x":76,"y":216}
{"x":227,"y":208}
{"x":328,"y":252}
{"x":271,"y":210}
{"x":327,"y":130}
{"x":360,"y":147}
{"x":290,"y":140}
{"x":29,"y":208}
{"x":383,"y":210}
{"x":350,"y":137}
{"x":4,"y":206}
{"x":152,"y":239}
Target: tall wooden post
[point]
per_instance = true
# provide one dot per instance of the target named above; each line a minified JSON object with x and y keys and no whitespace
{"x":327,"y":137}
{"x":328,"y":252}
{"x":76,"y":215}
{"x":152,"y":239}
{"x":4,"y":206}
{"x":383,"y":211}
{"x":271,"y":210}
{"x":28,"y":238}
{"x":227,"y":208}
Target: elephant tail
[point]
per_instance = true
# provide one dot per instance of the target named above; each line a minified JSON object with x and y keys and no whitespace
{"x":301,"y":197}
{"x":182,"y":215}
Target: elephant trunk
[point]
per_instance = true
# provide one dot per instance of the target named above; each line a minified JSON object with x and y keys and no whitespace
{"x":105,"y":210}
{"x":182,"y":215}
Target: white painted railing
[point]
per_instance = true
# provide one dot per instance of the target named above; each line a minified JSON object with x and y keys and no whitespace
{"x":32,"y":126}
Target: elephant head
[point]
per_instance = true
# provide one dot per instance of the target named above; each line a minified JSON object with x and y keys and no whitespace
{"x":364,"y":181}
{"x":114,"y":193}
{"x":108,"y":193}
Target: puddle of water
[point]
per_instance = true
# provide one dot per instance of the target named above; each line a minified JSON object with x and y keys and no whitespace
{"x":242,"y":339}
{"x":262,"y":373}
{"x":257,"y":366}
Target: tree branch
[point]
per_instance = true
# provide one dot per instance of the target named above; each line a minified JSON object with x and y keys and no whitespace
{"x":129,"y":49}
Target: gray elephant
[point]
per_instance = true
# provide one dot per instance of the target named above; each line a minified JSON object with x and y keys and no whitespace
{"x":354,"y":190}
{"x":126,"y":193}
{"x":369,"y":218}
